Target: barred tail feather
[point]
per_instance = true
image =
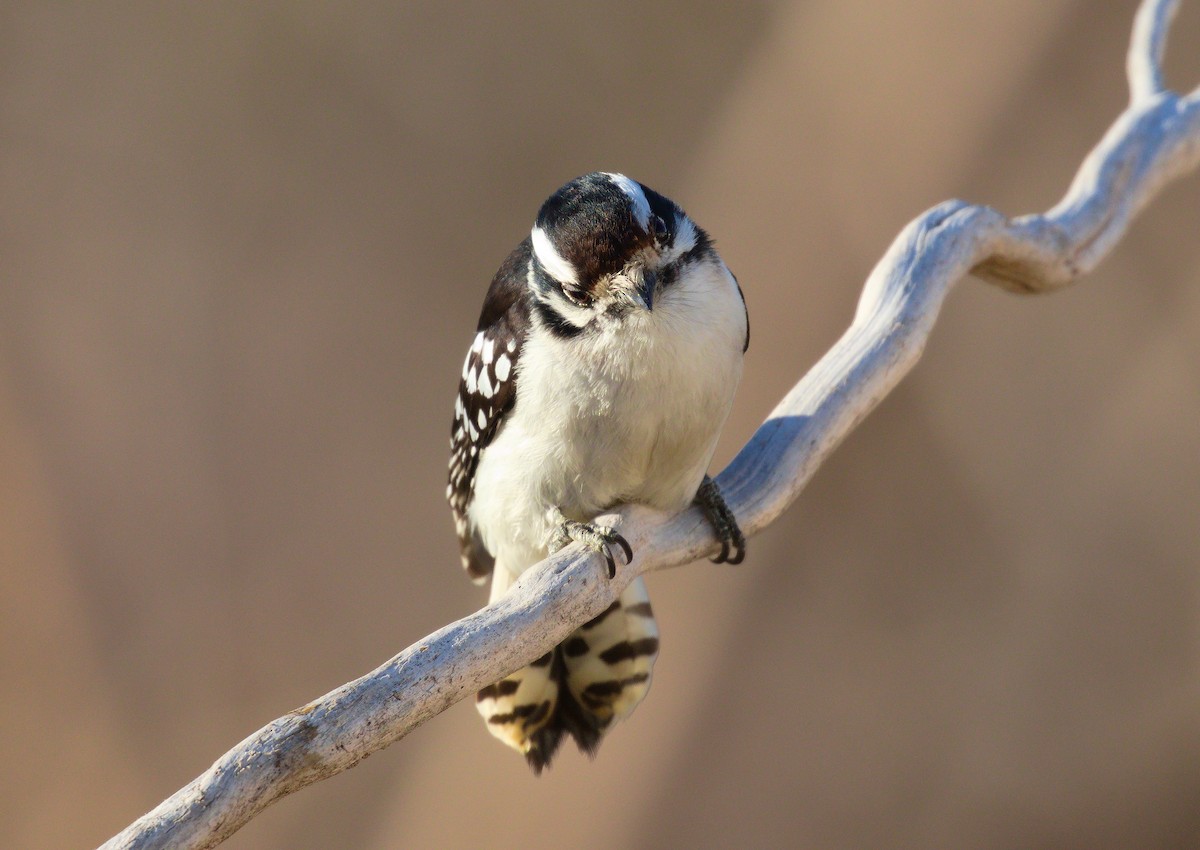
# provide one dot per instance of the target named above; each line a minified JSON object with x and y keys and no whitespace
{"x":519,"y":708}
{"x":593,"y":679}
{"x":609,"y":661}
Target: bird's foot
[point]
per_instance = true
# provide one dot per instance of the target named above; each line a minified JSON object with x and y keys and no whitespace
{"x":723,"y":521}
{"x":598,"y":538}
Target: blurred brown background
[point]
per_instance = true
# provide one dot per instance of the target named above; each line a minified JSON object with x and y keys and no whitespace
{"x":242,"y":251}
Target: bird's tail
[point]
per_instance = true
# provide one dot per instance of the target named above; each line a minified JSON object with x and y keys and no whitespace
{"x":594,"y":678}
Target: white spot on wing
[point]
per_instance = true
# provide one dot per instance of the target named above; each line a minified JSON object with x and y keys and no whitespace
{"x":485,"y":385}
{"x":471,"y":377}
{"x":503,"y":367}
{"x":482,"y":419}
{"x":478,"y":343}
{"x":553,"y":262}
{"x":489,"y":351}
{"x":632,"y":190}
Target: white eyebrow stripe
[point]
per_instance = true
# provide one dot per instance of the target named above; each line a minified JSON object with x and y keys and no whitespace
{"x":632,"y":190}
{"x":685,"y":234}
{"x":553,"y":262}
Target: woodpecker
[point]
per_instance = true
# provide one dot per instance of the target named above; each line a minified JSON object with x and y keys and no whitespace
{"x":602,"y":370}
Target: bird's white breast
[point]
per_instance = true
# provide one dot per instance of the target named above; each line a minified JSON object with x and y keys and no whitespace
{"x":627,"y":412}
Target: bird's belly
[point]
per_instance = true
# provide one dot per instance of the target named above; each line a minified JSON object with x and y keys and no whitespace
{"x":639,"y":451}
{"x":525,"y":473}
{"x":637,"y":423}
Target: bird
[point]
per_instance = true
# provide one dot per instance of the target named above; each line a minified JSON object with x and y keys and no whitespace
{"x":603,"y":368}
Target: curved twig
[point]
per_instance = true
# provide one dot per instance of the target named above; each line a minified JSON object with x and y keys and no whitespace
{"x":1143,"y":64}
{"x":1155,"y":140}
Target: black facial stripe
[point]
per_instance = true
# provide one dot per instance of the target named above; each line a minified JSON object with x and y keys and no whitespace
{"x":544,"y":285}
{"x":555,"y":323}
{"x":669,"y":273}
{"x":702,"y":247}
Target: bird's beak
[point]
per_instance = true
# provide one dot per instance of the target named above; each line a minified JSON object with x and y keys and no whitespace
{"x":643,"y":296}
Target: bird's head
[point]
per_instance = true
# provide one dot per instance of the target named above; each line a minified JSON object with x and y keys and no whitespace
{"x":605,"y":245}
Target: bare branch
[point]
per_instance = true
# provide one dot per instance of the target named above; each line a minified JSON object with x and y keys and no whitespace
{"x":1143,"y":65}
{"x":1156,"y":140}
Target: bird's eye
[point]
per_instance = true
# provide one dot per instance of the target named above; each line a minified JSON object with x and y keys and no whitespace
{"x":660,"y":229}
{"x":576,"y":295}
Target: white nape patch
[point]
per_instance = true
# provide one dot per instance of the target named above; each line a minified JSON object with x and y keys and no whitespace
{"x":503,"y":366}
{"x":552,"y":261}
{"x":631,"y":188}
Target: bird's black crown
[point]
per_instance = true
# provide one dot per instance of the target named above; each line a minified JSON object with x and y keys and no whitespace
{"x":598,"y":222}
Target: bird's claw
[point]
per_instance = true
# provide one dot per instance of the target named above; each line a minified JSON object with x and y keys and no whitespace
{"x":598,"y":538}
{"x":723,"y":521}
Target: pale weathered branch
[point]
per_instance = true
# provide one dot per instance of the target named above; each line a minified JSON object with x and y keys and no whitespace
{"x":1143,"y":63}
{"x":1155,"y":140}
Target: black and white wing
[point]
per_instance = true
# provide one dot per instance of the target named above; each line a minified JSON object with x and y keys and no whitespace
{"x":486,"y":394}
